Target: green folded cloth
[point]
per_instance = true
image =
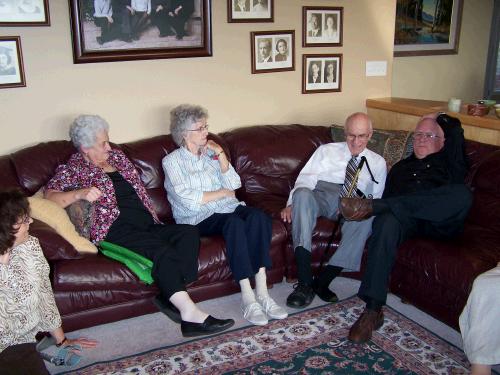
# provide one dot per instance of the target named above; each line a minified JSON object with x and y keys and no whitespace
{"x":139,"y":265}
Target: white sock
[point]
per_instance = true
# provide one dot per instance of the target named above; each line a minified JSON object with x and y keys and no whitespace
{"x":188,"y":309}
{"x":247,"y":295}
{"x":261,"y":283}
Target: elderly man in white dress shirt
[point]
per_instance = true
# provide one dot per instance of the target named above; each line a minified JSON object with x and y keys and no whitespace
{"x":316,"y":193}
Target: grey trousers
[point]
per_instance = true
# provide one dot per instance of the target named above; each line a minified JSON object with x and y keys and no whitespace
{"x":308,"y":205}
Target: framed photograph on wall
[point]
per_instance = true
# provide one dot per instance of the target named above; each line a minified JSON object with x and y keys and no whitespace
{"x":321,"y":73}
{"x":11,"y":62}
{"x":431,"y":27}
{"x":179,"y":28}
{"x":24,"y":13}
{"x":272,"y":51}
{"x":322,"y":26}
{"x":250,"y":11}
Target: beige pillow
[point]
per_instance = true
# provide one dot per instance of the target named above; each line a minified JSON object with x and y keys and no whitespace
{"x":56,"y":217}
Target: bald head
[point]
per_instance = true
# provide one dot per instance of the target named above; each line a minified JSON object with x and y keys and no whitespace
{"x":428,"y":138}
{"x":358,"y":131}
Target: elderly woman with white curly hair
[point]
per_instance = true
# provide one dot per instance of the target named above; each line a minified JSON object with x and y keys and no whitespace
{"x":124,"y":215}
{"x":201,"y":184}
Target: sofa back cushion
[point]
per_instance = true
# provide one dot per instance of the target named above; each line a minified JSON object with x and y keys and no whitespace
{"x":146,"y":155}
{"x":269,"y":158}
{"x":35,"y":165}
{"x":392,"y":145}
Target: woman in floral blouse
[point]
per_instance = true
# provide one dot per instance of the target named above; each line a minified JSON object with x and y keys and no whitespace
{"x":27,"y":303}
{"x":124,"y":215}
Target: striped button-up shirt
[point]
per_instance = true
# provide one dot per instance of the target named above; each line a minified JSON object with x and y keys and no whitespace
{"x":188,"y":176}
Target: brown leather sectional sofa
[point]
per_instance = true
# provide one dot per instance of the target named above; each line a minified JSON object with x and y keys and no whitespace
{"x":92,"y":289}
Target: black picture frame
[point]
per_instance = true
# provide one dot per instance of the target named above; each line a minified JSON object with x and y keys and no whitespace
{"x":192,"y":39}
{"x":26,"y":13}
{"x":11,"y":63}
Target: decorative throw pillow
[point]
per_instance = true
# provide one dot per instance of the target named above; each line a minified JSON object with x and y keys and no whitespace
{"x":393,"y":145}
{"x":55,"y":216}
{"x":80,"y":213}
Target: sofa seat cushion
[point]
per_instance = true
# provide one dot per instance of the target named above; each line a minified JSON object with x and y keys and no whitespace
{"x":94,"y":273}
{"x":322,"y":233}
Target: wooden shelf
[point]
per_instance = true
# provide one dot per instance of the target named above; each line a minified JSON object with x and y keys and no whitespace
{"x":418,"y":107}
{"x":403,"y":114}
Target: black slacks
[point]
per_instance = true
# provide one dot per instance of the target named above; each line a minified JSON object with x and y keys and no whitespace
{"x":173,"y":249}
{"x":247,"y":232}
{"x":22,"y":359}
{"x":436,"y":213}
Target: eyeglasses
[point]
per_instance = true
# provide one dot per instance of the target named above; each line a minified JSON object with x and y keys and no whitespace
{"x":425,"y":136}
{"x":361,"y":137}
{"x":200,"y":129}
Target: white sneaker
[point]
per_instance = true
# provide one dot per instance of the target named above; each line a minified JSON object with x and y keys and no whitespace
{"x":271,"y":308}
{"x":254,"y":314}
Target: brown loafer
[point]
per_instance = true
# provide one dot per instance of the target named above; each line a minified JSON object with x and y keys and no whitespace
{"x":356,"y":209}
{"x":369,"y":321}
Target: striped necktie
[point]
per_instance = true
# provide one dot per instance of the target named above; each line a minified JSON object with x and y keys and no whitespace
{"x":349,"y":182}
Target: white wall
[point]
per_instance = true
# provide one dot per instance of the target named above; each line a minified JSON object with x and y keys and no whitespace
{"x":444,"y":76}
{"x":136,"y":96}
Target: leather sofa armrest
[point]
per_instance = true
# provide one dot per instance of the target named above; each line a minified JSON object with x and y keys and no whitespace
{"x":53,"y":245}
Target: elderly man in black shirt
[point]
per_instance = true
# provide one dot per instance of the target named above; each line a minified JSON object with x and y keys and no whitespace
{"x":424,"y":195}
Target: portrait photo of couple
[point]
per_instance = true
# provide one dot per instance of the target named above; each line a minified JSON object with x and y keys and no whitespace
{"x":321,"y":73}
{"x":23,"y":12}
{"x":272,"y":51}
{"x":322,"y":26}
{"x":250,"y":10}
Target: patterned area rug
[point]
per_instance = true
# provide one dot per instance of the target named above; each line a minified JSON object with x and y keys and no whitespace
{"x":309,"y":342}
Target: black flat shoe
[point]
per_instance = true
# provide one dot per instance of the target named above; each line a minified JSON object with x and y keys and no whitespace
{"x":301,"y":296}
{"x":326,"y":294}
{"x":168,"y":308}
{"x":209,"y":326}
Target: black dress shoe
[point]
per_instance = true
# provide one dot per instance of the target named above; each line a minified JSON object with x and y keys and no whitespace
{"x":168,"y":308}
{"x":301,"y":296}
{"x":209,"y":326}
{"x":325,"y":294}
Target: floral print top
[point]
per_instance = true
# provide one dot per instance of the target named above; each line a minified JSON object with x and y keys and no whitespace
{"x":78,"y":173}
{"x":27,"y":304}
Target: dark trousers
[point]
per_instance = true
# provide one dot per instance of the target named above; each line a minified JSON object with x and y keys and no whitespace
{"x":160,"y":20}
{"x":106,"y":28}
{"x":173,"y":249}
{"x":138,"y":22}
{"x":247,"y":232}
{"x":22,"y":359}
{"x":436,"y":213}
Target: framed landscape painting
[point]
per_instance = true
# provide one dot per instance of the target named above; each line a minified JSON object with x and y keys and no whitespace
{"x":11,"y":62}
{"x":427,"y":27}
{"x":138,"y":32}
